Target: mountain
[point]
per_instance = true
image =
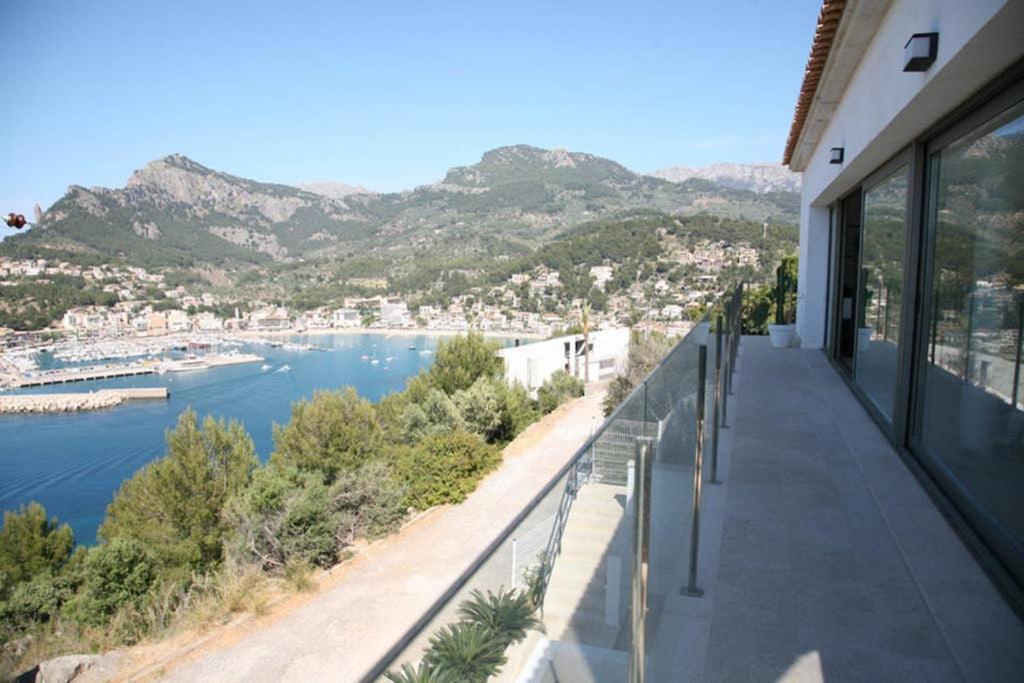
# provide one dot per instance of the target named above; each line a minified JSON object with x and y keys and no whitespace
{"x":755,"y":177}
{"x":176,"y":212}
{"x":332,"y":189}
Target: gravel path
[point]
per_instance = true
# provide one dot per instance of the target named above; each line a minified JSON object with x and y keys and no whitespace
{"x":341,"y":633}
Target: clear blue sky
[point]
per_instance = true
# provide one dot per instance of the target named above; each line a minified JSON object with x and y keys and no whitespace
{"x":386,"y":94}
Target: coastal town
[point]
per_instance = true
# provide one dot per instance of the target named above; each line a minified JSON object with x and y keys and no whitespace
{"x":141,"y":303}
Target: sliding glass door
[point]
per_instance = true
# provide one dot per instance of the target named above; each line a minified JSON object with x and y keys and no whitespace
{"x":969,"y":422}
{"x":880,"y":288}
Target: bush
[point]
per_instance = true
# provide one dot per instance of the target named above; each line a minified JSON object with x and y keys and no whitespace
{"x":444,"y":468}
{"x":467,"y":652}
{"x":287,"y":516}
{"x":645,"y":352}
{"x":495,"y":411}
{"x":462,"y":360}
{"x":31,"y":544}
{"x":174,"y":506}
{"x":435,"y":414}
{"x":557,"y":389}
{"x":334,"y":432}
{"x":508,"y":615}
{"x":116,"y":574}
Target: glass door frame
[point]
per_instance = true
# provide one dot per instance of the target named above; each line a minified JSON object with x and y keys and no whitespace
{"x":910,"y":157}
{"x":985,"y":535}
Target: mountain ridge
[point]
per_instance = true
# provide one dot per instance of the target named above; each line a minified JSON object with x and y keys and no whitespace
{"x":176,"y":211}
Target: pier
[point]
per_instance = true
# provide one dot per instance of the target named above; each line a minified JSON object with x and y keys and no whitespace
{"x":81,"y":375}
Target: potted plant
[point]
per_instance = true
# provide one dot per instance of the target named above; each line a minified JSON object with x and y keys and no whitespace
{"x":781,"y":333}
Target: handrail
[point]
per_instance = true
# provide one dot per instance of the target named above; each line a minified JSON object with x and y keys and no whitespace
{"x":385,"y":662}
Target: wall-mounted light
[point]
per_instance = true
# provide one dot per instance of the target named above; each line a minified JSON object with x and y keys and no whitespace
{"x":920,"y":51}
{"x":835,"y":155}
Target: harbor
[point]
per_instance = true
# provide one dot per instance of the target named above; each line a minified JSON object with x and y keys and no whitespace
{"x":113,"y":370}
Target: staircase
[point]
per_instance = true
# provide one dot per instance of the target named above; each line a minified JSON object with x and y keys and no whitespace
{"x":588,"y":594}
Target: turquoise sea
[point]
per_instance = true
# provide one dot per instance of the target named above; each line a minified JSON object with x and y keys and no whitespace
{"x":73,"y":463}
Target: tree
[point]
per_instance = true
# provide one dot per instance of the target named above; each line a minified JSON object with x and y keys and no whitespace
{"x":31,"y":544}
{"x":173,"y":506}
{"x":645,"y":352}
{"x":334,"y":432}
{"x":462,"y":360}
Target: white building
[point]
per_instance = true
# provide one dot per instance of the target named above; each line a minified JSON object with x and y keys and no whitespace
{"x":394,"y":314}
{"x":910,"y":117}
{"x":346,"y":317}
{"x":532,"y":364}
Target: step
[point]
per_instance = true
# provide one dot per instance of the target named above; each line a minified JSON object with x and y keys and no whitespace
{"x":583,"y":627}
{"x":569,"y":598}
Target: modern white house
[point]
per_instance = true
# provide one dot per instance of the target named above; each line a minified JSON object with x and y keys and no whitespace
{"x":909,"y":135}
{"x":532,"y":364}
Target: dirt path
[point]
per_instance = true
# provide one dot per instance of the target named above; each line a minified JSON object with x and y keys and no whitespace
{"x":363,"y":607}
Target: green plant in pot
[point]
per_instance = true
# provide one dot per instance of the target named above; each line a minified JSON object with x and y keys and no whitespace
{"x":781,"y":333}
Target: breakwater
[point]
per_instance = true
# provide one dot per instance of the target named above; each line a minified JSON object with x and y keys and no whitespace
{"x":65,"y":403}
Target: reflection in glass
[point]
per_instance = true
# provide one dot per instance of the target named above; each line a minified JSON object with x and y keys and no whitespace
{"x":881,"y":287}
{"x":971,"y":417}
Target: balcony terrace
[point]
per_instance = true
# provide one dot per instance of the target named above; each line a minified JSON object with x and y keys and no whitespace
{"x":821,"y":557}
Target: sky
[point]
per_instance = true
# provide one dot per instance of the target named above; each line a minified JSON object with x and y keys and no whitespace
{"x":388,"y":95}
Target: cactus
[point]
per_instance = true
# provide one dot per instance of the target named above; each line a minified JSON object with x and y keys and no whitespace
{"x":780,"y":296}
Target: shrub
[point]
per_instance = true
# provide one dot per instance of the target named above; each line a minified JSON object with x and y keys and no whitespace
{"x":117,"y":573}
{"x":494,"y":411}
{"x":435,"y":414}
{"x":31,"y":544}
{"x":336,"y":431}
{"x":444,"y":468}
{"x":287,"y":516}
{"x":508,"y":615}
{"x":557,"y":389}
{"x":467,"y":652}
{"x":462,"y":360}
{"x":424,"y":673}
{"x":645,"y":352}
{"x":174,"y":506}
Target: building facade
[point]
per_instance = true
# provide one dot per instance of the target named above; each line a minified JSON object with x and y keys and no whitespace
{"x":909,"y":134}
{"x":532,"y":364}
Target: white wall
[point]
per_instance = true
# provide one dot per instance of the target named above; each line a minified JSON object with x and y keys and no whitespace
{"x":884,"y":109}
{"x":531,"y":364}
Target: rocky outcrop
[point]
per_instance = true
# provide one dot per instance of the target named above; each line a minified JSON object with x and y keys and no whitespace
{"x":75,"y":669}
{"x":756,"y":177}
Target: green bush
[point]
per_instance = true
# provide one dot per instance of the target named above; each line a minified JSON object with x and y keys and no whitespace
{"x":287,"y":516}
{"x":435,"y":414}
{"x":174,"y":506}
{"x":467,"y":652}
{"x":508,"y":615}
{"x":31,"y":544}
{"x":494,"y":411}
{"x":462,"y":360}
{"x":117,"y":573}
{"x":336,"y":431}
{"x":557,"y":389}
{"x":444,"y":468}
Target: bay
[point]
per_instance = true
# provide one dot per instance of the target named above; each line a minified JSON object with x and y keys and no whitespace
{"x":73,"y":463}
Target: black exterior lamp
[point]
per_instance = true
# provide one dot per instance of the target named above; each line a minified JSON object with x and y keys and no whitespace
{"x":835,"y":155}
{"x":920,"y":51}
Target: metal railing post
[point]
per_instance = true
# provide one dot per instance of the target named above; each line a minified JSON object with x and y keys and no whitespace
{"x":641,"y":554}
{"x":698,"y":458}
{"x":514,"y":577}
{"x":717,"y":401}
{"x":1016,"y":365}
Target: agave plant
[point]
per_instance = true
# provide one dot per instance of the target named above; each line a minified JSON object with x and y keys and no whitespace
{"x":470,"y":653}
{"x":423,"y":674}
{"x":507,"y":614}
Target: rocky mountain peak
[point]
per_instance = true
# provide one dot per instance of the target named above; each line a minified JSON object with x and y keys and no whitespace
{"x":760,"y":178}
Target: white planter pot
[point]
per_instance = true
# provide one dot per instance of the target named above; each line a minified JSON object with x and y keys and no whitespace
{"x":781,"y":336}
{"x":863,"y":338}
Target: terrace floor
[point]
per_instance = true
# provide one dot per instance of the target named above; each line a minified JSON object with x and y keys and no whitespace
{"x":822,"y":557}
